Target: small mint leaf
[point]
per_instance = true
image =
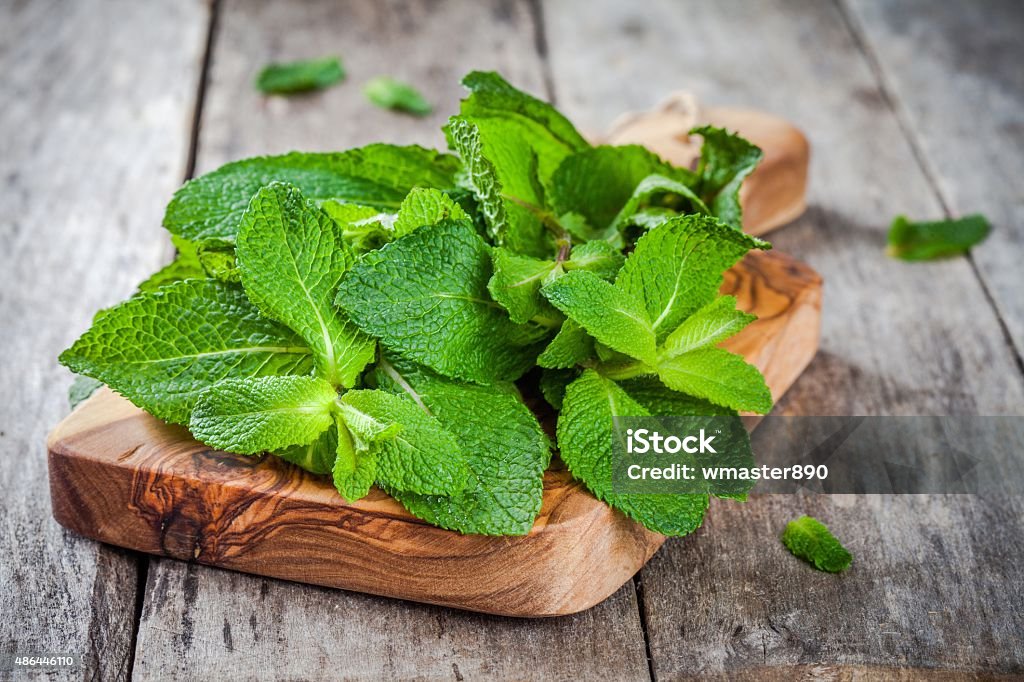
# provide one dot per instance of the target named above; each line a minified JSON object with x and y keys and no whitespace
{"x":258,"y":414}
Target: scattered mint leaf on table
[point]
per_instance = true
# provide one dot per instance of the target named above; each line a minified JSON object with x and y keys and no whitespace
{"x":300,"y":76}
{"x":379,"y":175}
{"x":918,"y":241}
{"x":163,"y":349}
{"x":388,"y":93}
{"x":811,"y":540}
{"x":249,"y":416}
{"x":291,"y":256}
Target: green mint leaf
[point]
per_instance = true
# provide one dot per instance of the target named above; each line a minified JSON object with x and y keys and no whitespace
{"x":363,"y":228}
{"x":185,"y":265}
{"x":388,"y":93}
{"x":300,"y":76}
{"x":725,"y":160}
{"x":316,"y":457}
{"x":424,"y":207}
{"x":218,"y":261}
{"x":379,"y":175}
{"x":599,"y":257}
{"x":597,"y":183}
{"x":501,"y":171}
{"x":660,"y":194}
{"x":292,"y":256}
{"x":425,"y":296}
{"x":505,"y":447}
{"x":516,"y":284}
{"x":81,"y":389}
{"x":553,"y":383}
{"x":586,"y":427}
{"x":571,"y":346}
{"x":612,"y":316}
{"x":649,"y":218}
{"x":812,"y":541}
{"x":719,"y":376}
{"x":366,"y":429}
{"x":421,"y":456}
{"x":917,"y":241}
{"x":709,"y":326}
{"x":677,"y":267}
{"x":355,"y":469}
{"x":659,"y":400}
{"x":162,"y":349}
{"x":547,"y":132}
{"x":258,"y":414}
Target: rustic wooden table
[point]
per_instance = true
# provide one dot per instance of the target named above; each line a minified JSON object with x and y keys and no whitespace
{"x":911,"y":106}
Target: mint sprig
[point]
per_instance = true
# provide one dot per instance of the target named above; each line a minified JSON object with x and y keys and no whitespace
{"x":364,"y":314}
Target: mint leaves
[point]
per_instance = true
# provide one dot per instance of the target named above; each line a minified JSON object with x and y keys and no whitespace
{"x":918,"y":241}
{"x":389,"y":93}
{"x":249,"y":416}
{"x":292,"y":257}
{"x":378,"y":175}
{"x":300,"y":76}
{"x":163,"y":349}
{"x":425,"y":297}
{"x":812,"y":541}
{"x":377,"y":315}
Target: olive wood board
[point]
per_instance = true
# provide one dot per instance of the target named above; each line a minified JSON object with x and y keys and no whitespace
{"x":121,"y":476}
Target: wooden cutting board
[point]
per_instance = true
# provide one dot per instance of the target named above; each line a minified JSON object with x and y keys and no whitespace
{"x":120,"y":476}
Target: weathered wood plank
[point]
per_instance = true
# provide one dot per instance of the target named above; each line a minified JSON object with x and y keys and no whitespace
{"x":429,"y":43}
{"x":932,"y":586}
{"x":200,"y":621}
{"x":97,"y":100}
{"x":954,"y":72}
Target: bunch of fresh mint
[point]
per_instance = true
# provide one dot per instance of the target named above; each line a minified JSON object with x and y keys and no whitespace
{"x":368,"y":314}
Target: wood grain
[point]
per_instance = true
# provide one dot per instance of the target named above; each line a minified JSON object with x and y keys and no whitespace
{"x":896,"y":339}
{"x":123,"y":477}
{"x":97,"y":98}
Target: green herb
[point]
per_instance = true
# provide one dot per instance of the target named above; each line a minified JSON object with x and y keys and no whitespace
{"x":914,"y":241}
{"x":389,"y":93}
{"x":300,"y":76}
{"x":363,"y":314}
{"x":812,"y":541}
